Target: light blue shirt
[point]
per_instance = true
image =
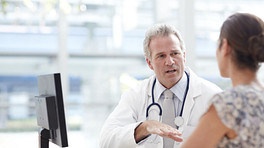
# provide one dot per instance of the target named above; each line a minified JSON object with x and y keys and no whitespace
{"x":178,"y":93}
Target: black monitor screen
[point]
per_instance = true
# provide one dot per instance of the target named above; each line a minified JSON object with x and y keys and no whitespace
{"x":50,"y":109}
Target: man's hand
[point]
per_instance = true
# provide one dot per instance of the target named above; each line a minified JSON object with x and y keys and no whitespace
{"x":154,"y":127}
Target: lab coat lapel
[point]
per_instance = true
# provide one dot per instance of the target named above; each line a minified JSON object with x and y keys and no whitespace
{"x":154,"y":116}
{"x":158,"y":142}
{"x":149,"y":88}
{"x":149,"y":91}
{"x":194,"y":91}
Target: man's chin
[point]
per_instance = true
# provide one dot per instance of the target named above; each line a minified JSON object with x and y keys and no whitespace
{"x":173,"y":79}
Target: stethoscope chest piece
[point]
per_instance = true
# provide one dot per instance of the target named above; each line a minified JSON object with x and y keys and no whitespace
{"x":179,"y":121}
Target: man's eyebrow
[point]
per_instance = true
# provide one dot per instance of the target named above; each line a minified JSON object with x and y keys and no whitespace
{"x":159,"y":53}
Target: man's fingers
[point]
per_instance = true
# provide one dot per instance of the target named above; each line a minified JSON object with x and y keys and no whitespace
{"x":155,"y":130}
{"x":170,"y":131}
{"x":164,"y":130}
{"x":176,"y":138}
{"x":173,"y":135}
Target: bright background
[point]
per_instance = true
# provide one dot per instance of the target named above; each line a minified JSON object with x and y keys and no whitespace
{"x":96,"y":45}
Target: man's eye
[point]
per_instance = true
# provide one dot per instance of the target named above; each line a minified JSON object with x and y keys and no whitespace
{"x":161,"y":56}
{"x":174,"y":53}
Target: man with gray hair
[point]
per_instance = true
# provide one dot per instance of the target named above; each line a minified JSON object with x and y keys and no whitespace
{"x":164,"y":109}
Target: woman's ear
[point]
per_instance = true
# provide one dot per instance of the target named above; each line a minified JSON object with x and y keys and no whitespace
{"x":225,"y":47}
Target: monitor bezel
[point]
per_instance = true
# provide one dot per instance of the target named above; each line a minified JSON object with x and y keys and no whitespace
{"x":50,"y":85}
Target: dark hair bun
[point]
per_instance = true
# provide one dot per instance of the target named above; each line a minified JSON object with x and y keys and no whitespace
{"x":256,"y":47}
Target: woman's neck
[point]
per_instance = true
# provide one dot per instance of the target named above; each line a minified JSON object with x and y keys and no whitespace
{"x":243,"y":77}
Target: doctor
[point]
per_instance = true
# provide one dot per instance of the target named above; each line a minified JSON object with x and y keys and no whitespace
{"x":137,"y":121}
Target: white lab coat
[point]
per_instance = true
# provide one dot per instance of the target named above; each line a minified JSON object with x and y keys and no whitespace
{"x":118,"y":130}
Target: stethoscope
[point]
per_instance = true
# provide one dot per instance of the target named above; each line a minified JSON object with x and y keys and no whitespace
{"x":179,"y":121}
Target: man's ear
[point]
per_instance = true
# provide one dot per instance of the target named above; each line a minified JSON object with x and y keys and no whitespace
{"x":149,"y":63}
{"x":225,"y":47}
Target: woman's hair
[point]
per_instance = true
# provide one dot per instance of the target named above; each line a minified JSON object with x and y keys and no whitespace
{"x":160,"y":30}
{"x":245,"y":34}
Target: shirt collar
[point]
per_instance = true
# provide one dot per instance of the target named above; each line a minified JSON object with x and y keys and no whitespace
{"x":178,"y":89}
{"x":159,"y":89}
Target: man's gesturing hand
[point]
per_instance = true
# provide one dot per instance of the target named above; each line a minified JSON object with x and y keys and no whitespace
{"x":154,"y":127}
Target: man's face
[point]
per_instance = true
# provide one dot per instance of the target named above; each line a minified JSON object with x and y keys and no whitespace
{"x":167,"y":59}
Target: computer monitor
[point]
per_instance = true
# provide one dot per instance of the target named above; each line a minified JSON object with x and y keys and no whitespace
{"x":50,"y":111}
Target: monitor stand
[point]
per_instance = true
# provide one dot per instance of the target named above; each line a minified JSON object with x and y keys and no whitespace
{"x":44,"y":136}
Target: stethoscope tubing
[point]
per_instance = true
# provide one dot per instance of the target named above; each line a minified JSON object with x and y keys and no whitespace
{"x":156,"y":104}
{"x":153,"y":101}
{"x":185,"y":93}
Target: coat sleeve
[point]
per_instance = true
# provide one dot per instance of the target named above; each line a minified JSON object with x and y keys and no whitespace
{"x":118,"y":130}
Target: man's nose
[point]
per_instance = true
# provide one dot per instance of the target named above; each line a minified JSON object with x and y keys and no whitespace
{"x":169,"y":60}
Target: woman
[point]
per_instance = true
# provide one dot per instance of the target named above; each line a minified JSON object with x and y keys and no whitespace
{"x":235,"y":117}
